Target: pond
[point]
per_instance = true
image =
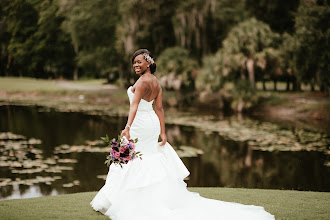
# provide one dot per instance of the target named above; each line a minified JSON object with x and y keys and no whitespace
{"x":46,"y":152}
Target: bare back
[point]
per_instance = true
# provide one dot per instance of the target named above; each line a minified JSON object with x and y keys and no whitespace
{"x":151,"y":87}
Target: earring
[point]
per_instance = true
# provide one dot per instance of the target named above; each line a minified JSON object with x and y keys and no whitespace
{"x":148,"y":66}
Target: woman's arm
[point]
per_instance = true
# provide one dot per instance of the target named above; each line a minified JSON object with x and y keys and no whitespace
{"x":139,"y":91}
{"x":160,"y":113}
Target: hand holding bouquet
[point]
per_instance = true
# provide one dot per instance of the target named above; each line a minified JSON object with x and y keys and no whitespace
{"x":122,"y":150}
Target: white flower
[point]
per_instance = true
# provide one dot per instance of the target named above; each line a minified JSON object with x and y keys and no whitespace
{"x":148,"y":58}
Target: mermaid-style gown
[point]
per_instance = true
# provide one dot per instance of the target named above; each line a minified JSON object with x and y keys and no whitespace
{"x":153,"y":188}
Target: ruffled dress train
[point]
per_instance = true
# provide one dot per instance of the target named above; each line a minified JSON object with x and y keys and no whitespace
{"x":153,"y":188}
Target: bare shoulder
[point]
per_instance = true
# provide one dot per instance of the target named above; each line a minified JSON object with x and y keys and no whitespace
{"x":141,"y":84}
{"x":154,"y":81}
{"x":150,"y":81}
{"x":148,"y":84}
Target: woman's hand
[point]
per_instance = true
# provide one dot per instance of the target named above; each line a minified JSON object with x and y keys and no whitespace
{"x":125,"y":133}
{"x":164,"y":139}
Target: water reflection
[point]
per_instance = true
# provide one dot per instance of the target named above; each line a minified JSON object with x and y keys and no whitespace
{"x":229,"y":163}
{"x":224,"y":162}
{"x":23,"y":191}
{"x":55,"y":128}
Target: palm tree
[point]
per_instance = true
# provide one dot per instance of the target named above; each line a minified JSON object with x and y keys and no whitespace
{"x":245,"y":44}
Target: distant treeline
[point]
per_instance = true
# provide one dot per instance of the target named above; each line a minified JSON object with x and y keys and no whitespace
{"x":199,"y":45}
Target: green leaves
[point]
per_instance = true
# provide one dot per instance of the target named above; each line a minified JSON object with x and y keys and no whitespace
{"x":177,"y":68}
{"x":311,"y":54}
{"x":108,"y":161}
{"x":92,"y":27}
{"x":105,"y":139}
{"x":249,"y":37}
{"x":37,"y":44}
{"x":121,"y":151}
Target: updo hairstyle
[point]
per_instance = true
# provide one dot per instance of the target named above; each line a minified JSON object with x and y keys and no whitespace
{"x":142,"y":51}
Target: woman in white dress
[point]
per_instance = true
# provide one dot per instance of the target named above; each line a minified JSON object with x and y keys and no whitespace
{"x":153,"y":188}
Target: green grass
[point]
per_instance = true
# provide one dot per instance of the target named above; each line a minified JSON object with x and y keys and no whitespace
{"x":25,"y":84}
{"x":90,"y":82}
{"x":283,"y":204}
{"x":14,"y":84}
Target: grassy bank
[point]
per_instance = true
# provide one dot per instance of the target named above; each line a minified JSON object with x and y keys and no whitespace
{"x":91,"y":96}
{"x":305,"y":109}
{"x":302,"y":109}
{"x":283,"y":204}
{"x":25,"y":84}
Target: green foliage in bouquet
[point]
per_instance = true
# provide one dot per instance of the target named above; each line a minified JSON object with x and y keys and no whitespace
{"x":122,"y":150}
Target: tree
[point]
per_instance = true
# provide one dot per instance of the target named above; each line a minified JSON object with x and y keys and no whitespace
{"x":92,"y":27}
{"x":37,"y":46}
{"x":278,"y":14}
{"x":288,"y":53}
{"x":212,"y":74}
{"x":176,"y":69}
{"x":200,"y":26}
{"x":244,"y":43}
{"x":21,"y":21}
{"x":312,"y":43}
{"x":53,"y":48}
{"x":5,"y":57}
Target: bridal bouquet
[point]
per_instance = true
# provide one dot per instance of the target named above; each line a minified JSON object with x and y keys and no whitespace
{"x":122,"y":150}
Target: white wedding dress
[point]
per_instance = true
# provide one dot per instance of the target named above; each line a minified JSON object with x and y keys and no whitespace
{"x":153,"y":188}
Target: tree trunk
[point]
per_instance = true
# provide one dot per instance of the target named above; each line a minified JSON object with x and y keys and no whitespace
{"x":296,"y":85}
{"x":287,"y":85}
{"x":121,"y":76}
{"x":124,"y":75}
{"x":8,"y":64}
{"x":75,"y":72}
{"x":250,"y":69}
{"x":264,"y":84}
{"x":312,"y":86}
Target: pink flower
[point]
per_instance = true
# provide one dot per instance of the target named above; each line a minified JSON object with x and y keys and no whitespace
{"x":122,"y":151}
{"x":117,"y":155}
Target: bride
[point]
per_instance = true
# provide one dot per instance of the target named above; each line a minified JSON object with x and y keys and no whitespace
{"x":153,"y":188}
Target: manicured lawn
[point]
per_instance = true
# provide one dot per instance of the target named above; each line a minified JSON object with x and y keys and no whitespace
{"x":15,"y":84}
{"x":25,"y":84}
{"x":283,"y":204}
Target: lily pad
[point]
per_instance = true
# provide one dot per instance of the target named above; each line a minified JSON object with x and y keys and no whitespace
{"x":259,"y":135}
{"x":188,"y":151}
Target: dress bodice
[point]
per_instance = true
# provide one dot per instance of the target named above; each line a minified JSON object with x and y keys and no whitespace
{"x":143,"y":105}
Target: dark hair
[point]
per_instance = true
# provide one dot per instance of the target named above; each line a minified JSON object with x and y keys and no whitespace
{"x":142,"y":51}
